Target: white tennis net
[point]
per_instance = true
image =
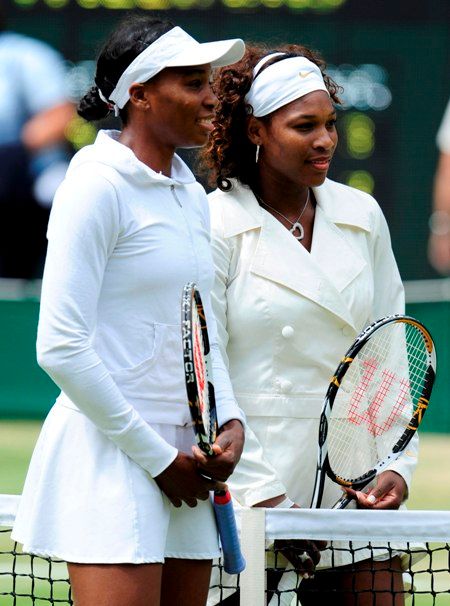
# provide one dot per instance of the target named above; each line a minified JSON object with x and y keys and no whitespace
{"x":356,"y":539}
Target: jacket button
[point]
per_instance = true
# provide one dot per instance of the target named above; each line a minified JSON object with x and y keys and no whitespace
{"x":285,"y":386}
{"x":287,"y":332}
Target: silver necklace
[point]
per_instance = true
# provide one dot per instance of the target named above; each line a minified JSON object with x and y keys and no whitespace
{"x":295,"y":225}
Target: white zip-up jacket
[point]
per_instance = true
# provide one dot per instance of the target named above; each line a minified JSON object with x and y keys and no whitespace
{"x":123,"y":240}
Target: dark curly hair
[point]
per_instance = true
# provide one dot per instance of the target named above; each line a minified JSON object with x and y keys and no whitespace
{"x":229,"y":153}
{"x":132,"y":36}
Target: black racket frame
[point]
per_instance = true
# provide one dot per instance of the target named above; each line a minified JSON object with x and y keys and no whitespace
{"x":190,"y":298}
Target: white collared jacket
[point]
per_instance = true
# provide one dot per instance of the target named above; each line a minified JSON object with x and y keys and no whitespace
{"x":285,"y":318}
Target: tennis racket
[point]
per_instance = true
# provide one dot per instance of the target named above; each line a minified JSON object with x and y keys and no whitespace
{"x":202,"y":404}
{"x":374,"y":404}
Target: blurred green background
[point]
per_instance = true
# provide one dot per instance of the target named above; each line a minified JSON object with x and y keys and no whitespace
{"x":391,"y":57}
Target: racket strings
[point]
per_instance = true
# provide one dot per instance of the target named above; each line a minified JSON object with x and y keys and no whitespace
{"x":377,"y":399}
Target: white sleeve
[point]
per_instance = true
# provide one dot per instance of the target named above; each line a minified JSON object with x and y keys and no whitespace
{"x":254,"y":479}
{"x":227,"y":408}
{"x":389,"y":299}
{"x":83,"y":229}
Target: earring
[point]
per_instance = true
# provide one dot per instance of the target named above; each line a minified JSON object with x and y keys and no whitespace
{"x":257,"y":154}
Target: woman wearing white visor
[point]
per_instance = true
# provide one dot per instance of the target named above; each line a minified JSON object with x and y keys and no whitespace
{"x":113,"y":487}
{"x":302,"y":265}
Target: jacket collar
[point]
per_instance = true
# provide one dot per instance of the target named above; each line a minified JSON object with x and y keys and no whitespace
{"x":321,"y":275}
{"x":337,"y":202}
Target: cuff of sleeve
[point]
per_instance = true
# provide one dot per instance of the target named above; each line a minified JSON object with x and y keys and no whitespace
{"x":145,"y":446}
{"x":228,"y":412}
{"x":252,"y":497}
{"x":405,"y":474}
{"x":163,"y":462}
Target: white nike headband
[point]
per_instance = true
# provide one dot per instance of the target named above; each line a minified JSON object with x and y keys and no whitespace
{"x":282,"y":82}
{"x":175,"y":48}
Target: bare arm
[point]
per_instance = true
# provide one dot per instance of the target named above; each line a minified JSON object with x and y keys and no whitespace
{"x":48,"y":127}
{"x":439,"y":243}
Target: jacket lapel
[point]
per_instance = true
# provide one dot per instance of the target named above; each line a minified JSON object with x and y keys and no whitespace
{"x":321,"y":275}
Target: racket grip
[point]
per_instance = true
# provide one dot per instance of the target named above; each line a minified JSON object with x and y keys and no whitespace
{"x":233,"y":560}
{"x":343,"y":502}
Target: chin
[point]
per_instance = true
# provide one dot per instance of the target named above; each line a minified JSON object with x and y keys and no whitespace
{"x":193,"y":144}
{"x":319,"y":180}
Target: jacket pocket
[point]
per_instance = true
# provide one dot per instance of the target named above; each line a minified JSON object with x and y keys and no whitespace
{"x":130,"y":373}
{"x":160,"y":376}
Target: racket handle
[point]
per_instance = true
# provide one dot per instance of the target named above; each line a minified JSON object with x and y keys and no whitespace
{"x":343,"y":502}
{"x":233,"y":560}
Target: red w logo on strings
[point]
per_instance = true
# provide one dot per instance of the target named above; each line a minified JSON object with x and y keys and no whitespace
{"x":370,"y":416}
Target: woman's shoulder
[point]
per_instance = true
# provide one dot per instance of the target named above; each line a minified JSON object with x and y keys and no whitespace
{"x":218,"y":197}
{"x":348,"y":205}
{"x":236,"y":196}
{"x":88,"y":182}
{"x":234,"y":210}
{"x":218,"y":200}
{"x":352,"y":194}
{"x":87,"y":195}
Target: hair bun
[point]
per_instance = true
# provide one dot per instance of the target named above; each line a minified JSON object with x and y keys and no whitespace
{"x":92,"y":107}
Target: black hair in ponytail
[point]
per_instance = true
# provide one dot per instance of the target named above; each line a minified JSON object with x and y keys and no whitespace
{"x":133,"y":35}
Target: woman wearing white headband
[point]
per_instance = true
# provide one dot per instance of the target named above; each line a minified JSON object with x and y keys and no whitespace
{"x":113,"y":487}
{"x":302,"y":265}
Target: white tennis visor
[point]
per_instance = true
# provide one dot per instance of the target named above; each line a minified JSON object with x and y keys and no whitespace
{"x":175,"y":48}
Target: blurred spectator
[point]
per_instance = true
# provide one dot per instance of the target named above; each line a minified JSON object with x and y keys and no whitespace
{"x":439,"y":244}
{"x":34,"y":112}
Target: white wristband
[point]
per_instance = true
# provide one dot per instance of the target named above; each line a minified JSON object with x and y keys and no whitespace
{"x":285,"y":504}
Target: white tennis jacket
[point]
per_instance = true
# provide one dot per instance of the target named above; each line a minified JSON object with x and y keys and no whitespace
{"x":286,"y":317}
{"x":123,"y":240}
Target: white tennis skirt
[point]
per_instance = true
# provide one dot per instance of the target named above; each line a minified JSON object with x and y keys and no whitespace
{"x":86,"y":501}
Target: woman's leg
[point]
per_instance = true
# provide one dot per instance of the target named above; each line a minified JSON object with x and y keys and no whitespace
{"x":115,"y":584}
{"x":385,"y":579}
{"x":366,"y":583}
{"x":185,"y":582}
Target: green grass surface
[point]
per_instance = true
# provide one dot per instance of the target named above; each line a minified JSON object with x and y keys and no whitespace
{"x":430,"y":490}
{"x":17,"y":440}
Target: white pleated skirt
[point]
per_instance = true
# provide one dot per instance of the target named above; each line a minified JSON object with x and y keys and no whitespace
{"x":86,"y":501}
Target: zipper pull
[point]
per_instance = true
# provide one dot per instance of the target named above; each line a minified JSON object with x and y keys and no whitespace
{"x":174,"y":193}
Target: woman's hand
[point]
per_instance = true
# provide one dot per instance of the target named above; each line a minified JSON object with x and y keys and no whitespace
{"x":227,"y":449}
{"x":181,"y":481}
{"x":303,"y":554}
{"x":389,"y":492}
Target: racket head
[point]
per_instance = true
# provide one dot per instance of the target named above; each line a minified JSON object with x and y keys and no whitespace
{"x":376,"y":400}
{"x":197,"y":368}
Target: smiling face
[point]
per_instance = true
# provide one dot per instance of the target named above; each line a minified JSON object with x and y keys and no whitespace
{"x":297,"y":141}
{"x":181,"y":105}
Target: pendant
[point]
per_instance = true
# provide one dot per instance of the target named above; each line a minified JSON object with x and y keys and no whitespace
{"x":298,"y":226}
